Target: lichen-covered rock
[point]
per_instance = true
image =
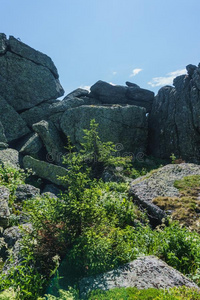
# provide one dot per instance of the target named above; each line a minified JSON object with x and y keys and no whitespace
{"x":124,"y":125}
{"x":10,"y":156}
{"x":26,"y":191}
{"x":45,"y":170}
{"x":51,"y":139}
{"x":4,"y":208}
{"x":32,"y":145}
{"x":143,"y":273}
{"x":116,"y":94}
{"x":31,"y":54}
{"x":38,"y":80}
{"x":160,"y":183}
{"x":13,"y":125}
{"x":174,"y":123}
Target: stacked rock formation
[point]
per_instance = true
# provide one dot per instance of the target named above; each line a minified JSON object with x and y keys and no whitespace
{"x":35,"y":125}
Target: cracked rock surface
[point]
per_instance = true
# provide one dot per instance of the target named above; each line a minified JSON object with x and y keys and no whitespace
{"x":174,"y":122}
{"x":160,"y":183}
{"x":122,"y":125}
{"x":144,"y":272}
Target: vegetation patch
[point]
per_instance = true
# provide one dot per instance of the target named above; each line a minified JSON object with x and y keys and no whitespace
{"x":186,"y":207}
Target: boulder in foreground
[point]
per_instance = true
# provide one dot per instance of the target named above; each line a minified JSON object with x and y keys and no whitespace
{"x":143,"y":273}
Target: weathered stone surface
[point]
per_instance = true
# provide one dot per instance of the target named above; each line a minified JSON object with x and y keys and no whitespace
{"x":4,"y":209}
{"x":144,"y":272}
{"x":51,"y":139}
{"x":14,"y":126}
{"x":26,"y":191}
{"x":34,"y":85}
{"x":3,"y":43}
{"x":10,"y":156}
{"x":109,"y":94}
{"x":31,"y":54}
{"x":3,"y":145}
{"x":160,"y":183}
{"x":45,"y":170}
{"x":126,"y":125}
{"x":32,"y":145}
{"x":50,"y":110}
{"x":140,"y":97}
{"x":174,"y":123}
{"x":78,"y":93}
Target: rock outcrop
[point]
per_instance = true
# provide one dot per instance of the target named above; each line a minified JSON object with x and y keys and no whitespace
{"x":115,"y":94}
{"x":38,"y":80}
{"x":158,"y":184}
{"x":124,"y":125}
{"x":174,"y":124}
{"x":144,"y":272}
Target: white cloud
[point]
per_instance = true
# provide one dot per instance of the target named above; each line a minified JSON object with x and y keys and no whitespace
{"x":135,"y":72}
{"x":114,"y":73}
{"x":112,"y":83}
{"x":85,"y":87}
{"x":167,"y":80}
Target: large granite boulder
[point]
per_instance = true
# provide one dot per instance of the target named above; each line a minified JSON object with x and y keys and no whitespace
{"x":2,"y":134}
{"x":49,"y":110}
{"x":51,"y":139}
{"x":45,"y":170}
{"x":38,"y":80}
{"x":4,"y":208}
{"x":131,"y":94}
{"x":14,"y":126}
{"x":142,"y":273}
{"x":160,"y":183}
{"x":108,"y":93}
{"x":174,"y":123}
{"x":124,"y":125}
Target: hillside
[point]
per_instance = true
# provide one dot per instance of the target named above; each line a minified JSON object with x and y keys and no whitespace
{"x":99,"y":191}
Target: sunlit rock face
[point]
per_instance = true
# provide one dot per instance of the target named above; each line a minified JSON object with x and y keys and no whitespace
{"x":174,"y":123}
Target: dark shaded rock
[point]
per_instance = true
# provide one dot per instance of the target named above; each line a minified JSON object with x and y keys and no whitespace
{"x":34,"y":85}
{"x":140,"y":97}
{"x":78,"y":93}
{"x":26,"y":191}
{"x":160,"y":183}
{"x":190,"y":69}
{"x":2,"y":134}
{"x":3,"y":43}
{"x":45,"y":170}
{"x":51,"y":139}
{"x":125,"y":126}
{"x":31,"y":54}
{"x":130,"y":84}
{"x":51,"y":189}
{"x":14,"y":126}
{"x":174,"y":124}
{"x":10,"y":156}
{"x":4,"y":208}
{"x":32,"y":145}
{"x":142,"y":273}
{"x":109,"y":94}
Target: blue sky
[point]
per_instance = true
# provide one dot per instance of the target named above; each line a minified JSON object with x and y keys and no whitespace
{"x":144,"y":41}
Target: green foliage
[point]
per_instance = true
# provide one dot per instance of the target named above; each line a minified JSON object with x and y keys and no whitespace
{"x":188,"y":182}
{"x":180,"y":293}
{"x":173,"y":158}
{"x":11,"y":177}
